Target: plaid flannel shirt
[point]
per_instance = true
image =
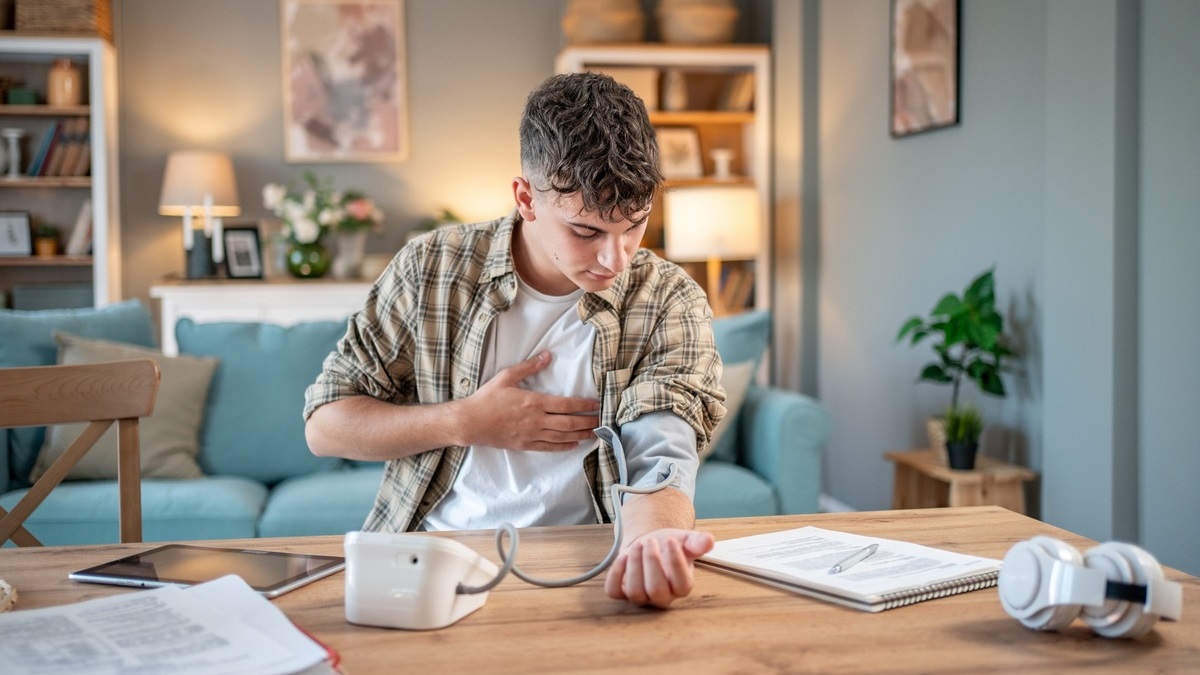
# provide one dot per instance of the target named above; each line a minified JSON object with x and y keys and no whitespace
{"x":421,"y":334}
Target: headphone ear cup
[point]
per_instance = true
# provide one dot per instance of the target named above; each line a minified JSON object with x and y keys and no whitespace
{"x":1128,"y":564}
{"x":1025,"y":577}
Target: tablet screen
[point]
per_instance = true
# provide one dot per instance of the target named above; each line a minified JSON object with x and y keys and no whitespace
{"x":268,"y":572}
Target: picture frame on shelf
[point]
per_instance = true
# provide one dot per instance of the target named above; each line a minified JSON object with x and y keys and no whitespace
{"x":679,"y":153}
{"x":243,"y":252}
{"x":16,"y":236}
{"x":344,"y":81}
{"x":925,"y":65}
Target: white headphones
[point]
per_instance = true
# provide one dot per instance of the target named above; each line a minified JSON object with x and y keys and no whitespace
{"x":1118,"y":589}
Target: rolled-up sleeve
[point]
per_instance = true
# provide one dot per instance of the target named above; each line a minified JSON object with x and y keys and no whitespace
{"x":374,"y":357}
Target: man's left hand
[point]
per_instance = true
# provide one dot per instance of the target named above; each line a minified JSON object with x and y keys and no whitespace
{"x":657,"y":567}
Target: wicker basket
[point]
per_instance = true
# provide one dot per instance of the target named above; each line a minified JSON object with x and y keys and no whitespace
{"x":76,"y":17}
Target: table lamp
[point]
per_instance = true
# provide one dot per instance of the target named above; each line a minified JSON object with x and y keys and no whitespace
{"x":200,"y":183}
{"x":710,"y":224}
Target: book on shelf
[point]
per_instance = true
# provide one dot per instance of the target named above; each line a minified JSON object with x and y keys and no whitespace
{"x":897,"y":573}
{"x":74,"y":142}
{"x":39,"y":158}
{"x":80,"y":242}
{"x":737,"y":287}
{"x":738,"y":95}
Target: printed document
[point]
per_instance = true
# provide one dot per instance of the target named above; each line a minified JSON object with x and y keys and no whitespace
{"x":223,"y":626}
{"x":896,"y":573}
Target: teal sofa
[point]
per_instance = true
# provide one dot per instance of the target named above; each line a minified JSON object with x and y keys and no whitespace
{"x":260,"y":480}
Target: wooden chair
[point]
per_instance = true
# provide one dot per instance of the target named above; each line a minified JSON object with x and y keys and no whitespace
{"x":100,"y":393}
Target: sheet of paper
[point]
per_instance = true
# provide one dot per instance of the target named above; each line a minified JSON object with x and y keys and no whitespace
{"x":222,"y":626}
{"x":806,"y":555}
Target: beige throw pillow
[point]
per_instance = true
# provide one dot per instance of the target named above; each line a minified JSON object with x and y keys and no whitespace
{"x":169,"y":436}
{"x":735,"y":379}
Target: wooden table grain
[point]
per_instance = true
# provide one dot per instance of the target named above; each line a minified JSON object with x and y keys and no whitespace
{"x":726,"y":625}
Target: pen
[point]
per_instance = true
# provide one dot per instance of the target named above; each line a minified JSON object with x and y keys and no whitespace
{"x":854,"y":559}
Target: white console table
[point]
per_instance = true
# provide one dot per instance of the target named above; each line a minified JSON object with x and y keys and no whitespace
{"x":282,"y":301}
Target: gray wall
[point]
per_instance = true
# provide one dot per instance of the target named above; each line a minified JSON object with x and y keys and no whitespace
{"x":1169,"y":283}
{"x":1074,"y":172}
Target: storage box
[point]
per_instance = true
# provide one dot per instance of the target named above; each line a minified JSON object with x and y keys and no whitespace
{"x":76,"y":17}
{"x":51,"y":296}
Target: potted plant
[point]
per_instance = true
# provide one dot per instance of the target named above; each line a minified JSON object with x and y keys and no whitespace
{"x":967,"y":331}
{"x":45,"y":241}
{"x":963,"y":426}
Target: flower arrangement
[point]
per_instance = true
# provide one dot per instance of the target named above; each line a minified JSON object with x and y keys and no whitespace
{"x":310,"y":213}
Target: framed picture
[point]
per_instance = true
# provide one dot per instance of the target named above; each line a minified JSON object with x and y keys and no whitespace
{"x":344,"y":81}
{"x":679,"y":152}
{"x":243,"y":252}
{"x":925,"y":72}
{"x":15,"y":235}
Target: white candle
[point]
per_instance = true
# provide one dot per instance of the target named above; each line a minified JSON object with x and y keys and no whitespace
{"x":218,"y":241}
{"x":208,"y":223}
{"x":187,"y":229}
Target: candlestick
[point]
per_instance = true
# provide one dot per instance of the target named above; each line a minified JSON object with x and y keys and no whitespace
{"x":13,"y":135}
{"x":188,"y":235}
{"x":208,"y":210}
{"x":218,"y":241}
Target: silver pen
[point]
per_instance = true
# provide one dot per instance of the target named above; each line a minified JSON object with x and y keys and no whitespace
{"x":854,"y":559}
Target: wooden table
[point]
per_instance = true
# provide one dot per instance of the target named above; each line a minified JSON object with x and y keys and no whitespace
{"x":726,"y":625}
{"x":924,"y":480}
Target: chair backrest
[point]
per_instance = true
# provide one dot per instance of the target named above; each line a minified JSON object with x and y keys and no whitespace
{"x":100,"y":393}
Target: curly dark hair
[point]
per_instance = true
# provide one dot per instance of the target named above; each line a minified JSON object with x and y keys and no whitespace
{"x":586,"y":133}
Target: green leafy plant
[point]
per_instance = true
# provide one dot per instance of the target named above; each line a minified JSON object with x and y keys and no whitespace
{"x":963,"y":425}
{"x":967,"y":331}
{"x":45,"y":231}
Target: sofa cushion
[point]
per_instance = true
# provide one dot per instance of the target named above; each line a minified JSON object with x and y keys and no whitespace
{"x":332,"y":502}
{"x":220,"y":507}
{"x":168,"y":436}
{"x":253,"y":423}
{"x":27,"y":339}
{"x":735,"y":379}
{"x":742,"y":338}
{"x":726,"y":490}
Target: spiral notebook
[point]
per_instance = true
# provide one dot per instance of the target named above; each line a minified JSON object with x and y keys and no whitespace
{"x":897,"y":573}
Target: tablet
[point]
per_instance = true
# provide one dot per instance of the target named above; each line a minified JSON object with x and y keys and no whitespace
{"x":268,"y":572}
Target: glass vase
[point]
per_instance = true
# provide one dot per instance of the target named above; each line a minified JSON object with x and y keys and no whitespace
{"x":351,"y":246}
{"x":308,"y":261}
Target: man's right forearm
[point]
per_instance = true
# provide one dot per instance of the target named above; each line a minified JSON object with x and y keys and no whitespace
{"x":365,"y":428}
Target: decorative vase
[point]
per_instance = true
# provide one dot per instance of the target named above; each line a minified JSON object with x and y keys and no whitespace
{"x":308,"y":261}
{"x":351,"y":246}
{"x":64,"y":84}
{"x":961,"y":456}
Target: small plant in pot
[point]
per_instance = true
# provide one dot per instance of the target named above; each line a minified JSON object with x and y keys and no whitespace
{"x":45,"y":240}
{"x":967,"y":333}
{"x":963,"y":426}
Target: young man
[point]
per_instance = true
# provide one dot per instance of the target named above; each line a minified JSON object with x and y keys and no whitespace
{"x":486,"y":355}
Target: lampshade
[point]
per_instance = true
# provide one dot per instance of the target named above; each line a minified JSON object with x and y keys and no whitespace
{"x":192,"y":175}
{"x":719,"y":221}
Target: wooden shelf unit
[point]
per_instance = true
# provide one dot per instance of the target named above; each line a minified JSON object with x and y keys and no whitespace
{"x":709,"y":73}
{"x":58,"y":200}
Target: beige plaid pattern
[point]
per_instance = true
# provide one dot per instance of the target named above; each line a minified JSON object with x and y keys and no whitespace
{"x":421,"y":334}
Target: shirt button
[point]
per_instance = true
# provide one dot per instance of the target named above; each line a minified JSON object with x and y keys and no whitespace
{"x":464,"y":383}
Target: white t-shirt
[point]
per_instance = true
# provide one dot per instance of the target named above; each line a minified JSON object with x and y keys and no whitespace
{"x":526,"y":487}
